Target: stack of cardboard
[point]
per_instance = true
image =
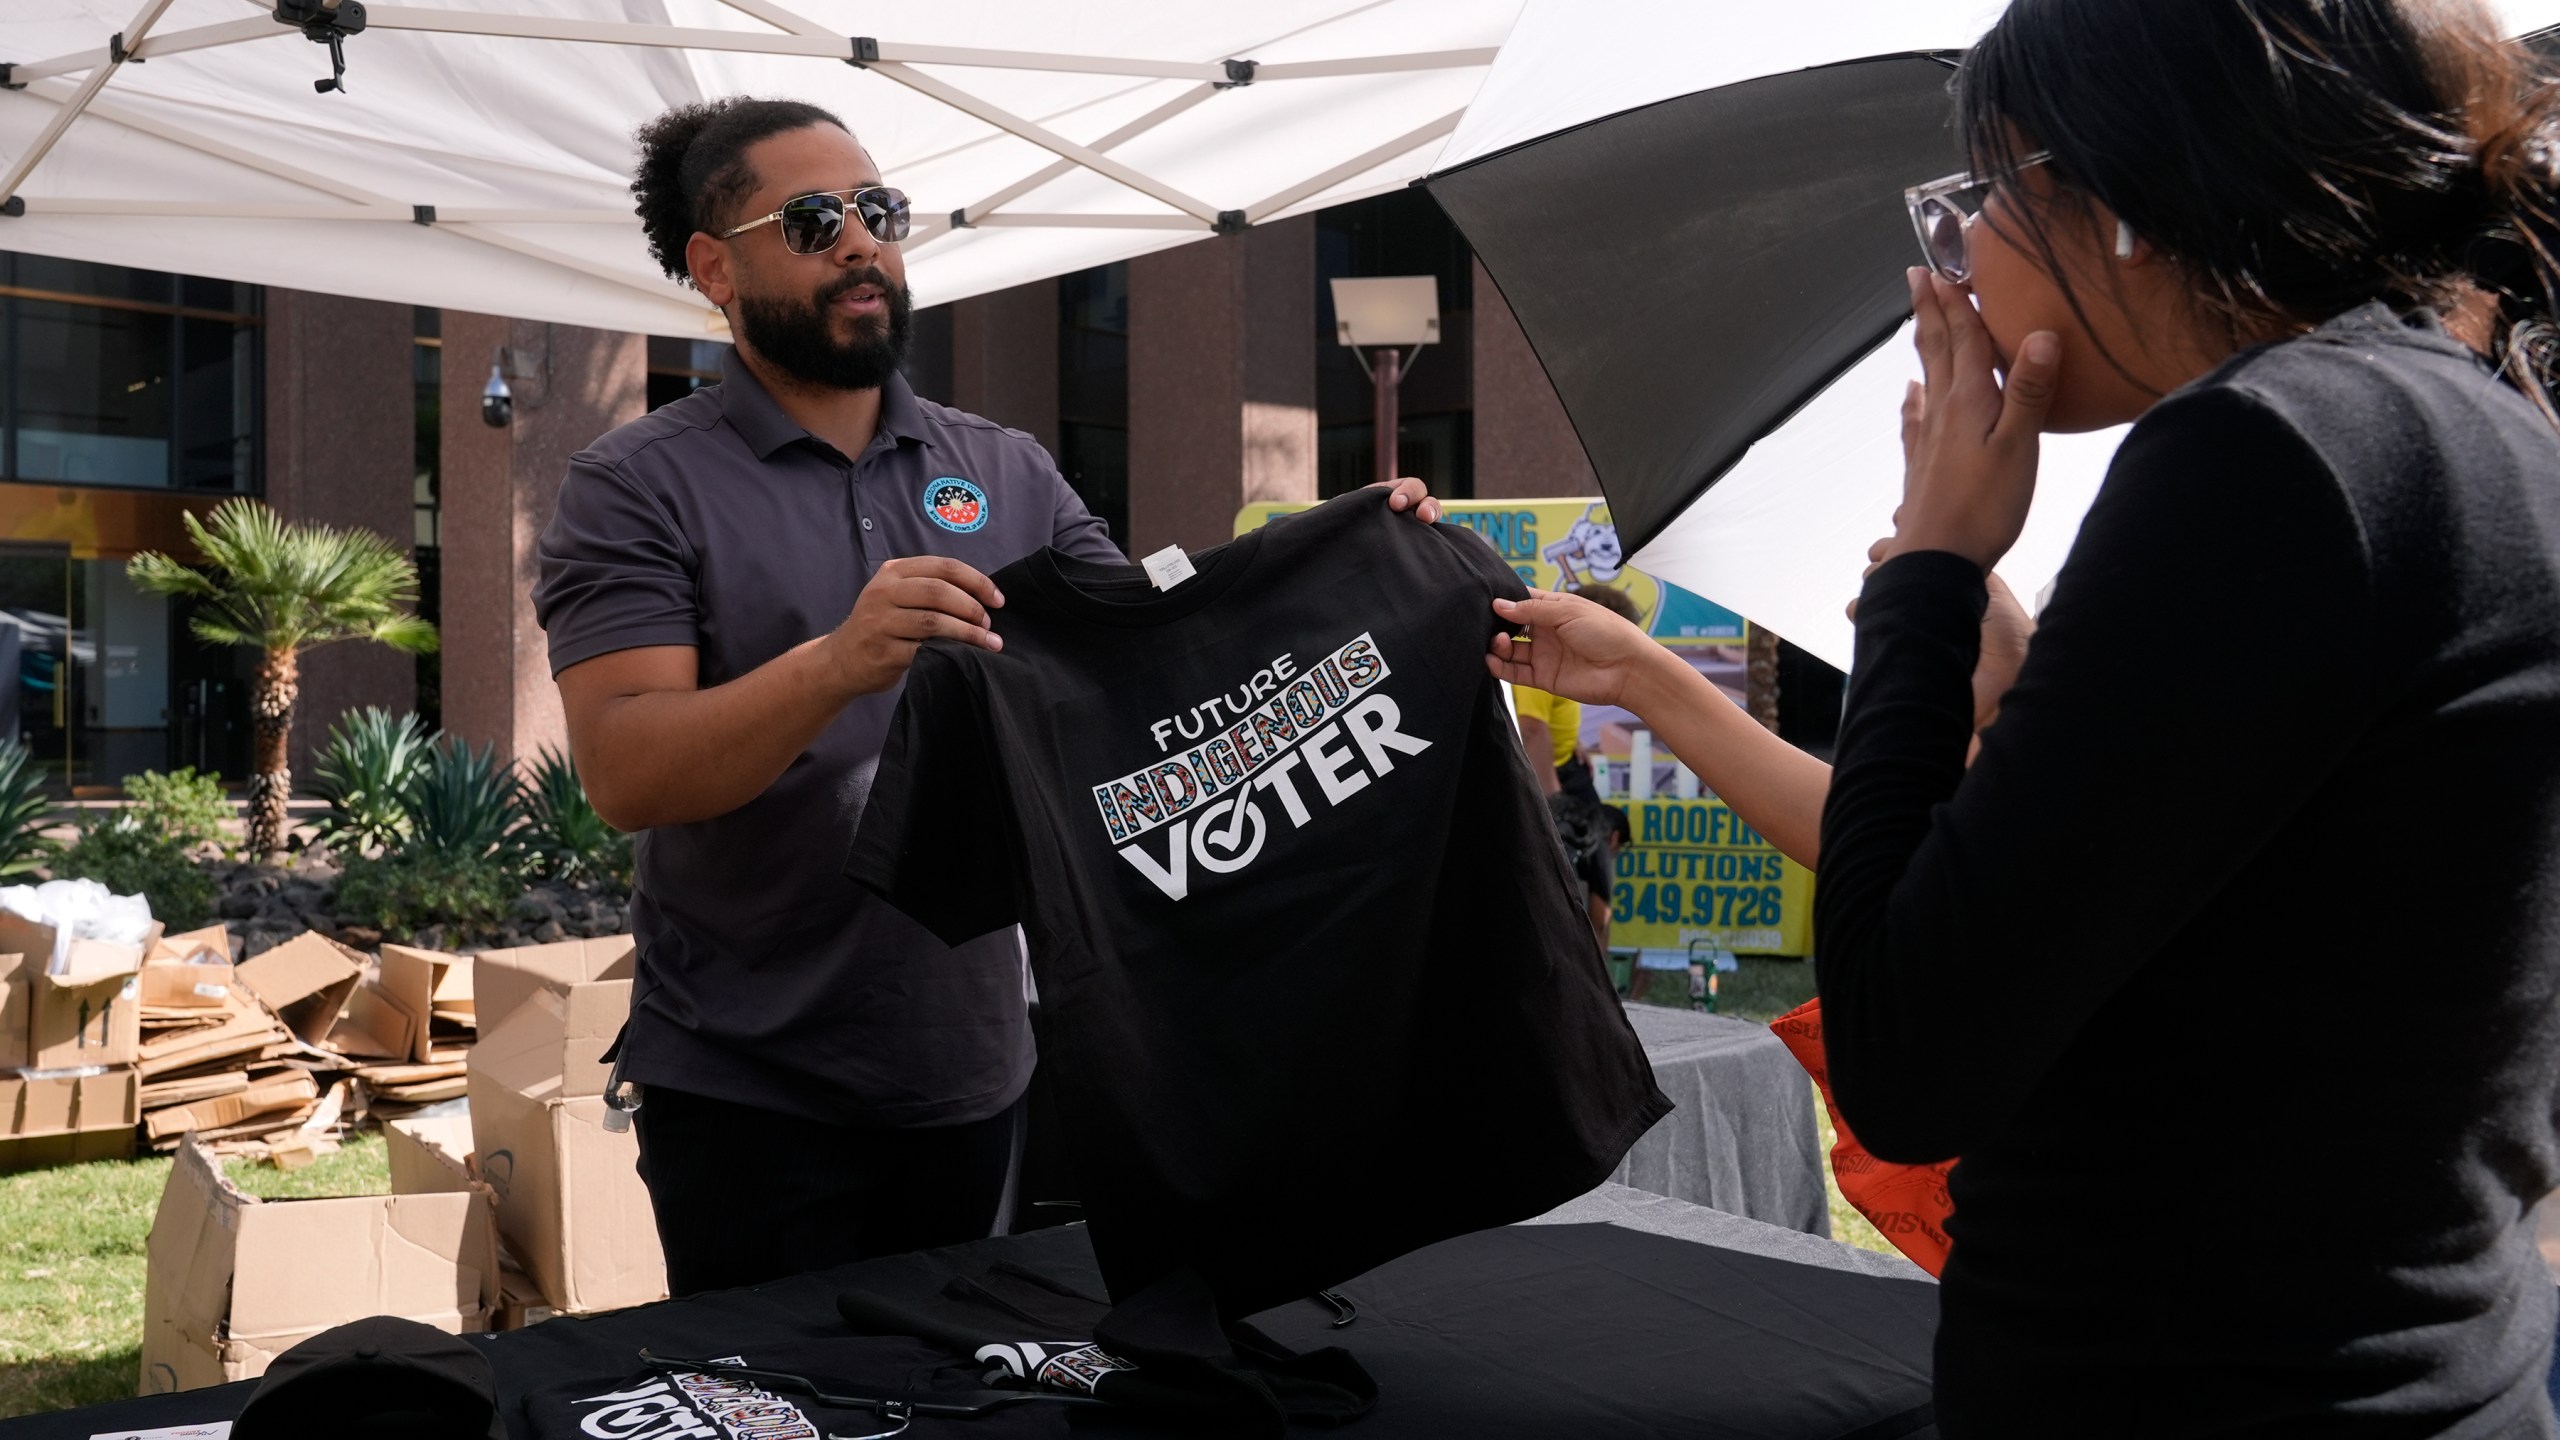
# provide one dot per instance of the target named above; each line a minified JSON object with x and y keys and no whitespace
{"x":70,"y":1033}
{"x":414,"y":1021}
{"x":571,"y":1205}
{"x":251,"y":1058}
{"x":234,"y":1281}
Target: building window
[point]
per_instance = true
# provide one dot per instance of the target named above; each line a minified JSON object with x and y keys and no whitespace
{"x":677,"y":368}
{"x":1093,"y":392}
{"x":1403,"y":232}
{"x":131,"y":379}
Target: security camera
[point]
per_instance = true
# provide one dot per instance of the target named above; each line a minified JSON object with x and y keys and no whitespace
{"x":497,"y":402}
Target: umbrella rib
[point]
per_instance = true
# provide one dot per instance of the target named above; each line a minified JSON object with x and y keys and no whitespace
{"x":1366,"y":160}
{"x":69,"y":110}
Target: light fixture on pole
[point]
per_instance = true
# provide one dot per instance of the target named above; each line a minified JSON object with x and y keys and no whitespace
{"x":1394,"y":317}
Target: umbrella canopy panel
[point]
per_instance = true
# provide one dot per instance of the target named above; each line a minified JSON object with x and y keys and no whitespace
{"x":1691,"y":272}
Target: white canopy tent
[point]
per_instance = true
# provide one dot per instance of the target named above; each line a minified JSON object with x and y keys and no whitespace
{"x":478,"y":156}
{"x":1782,"y":535}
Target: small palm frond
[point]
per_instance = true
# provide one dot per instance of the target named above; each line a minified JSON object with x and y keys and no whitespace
{"x":283,"y":586}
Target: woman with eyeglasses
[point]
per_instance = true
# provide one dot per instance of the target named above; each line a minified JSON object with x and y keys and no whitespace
{"x":2235,"y":981}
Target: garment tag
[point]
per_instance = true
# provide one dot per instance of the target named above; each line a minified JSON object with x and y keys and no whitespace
{"x":1168,"y":567}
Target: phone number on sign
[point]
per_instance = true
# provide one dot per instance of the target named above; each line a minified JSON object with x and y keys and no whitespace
{"x":1724,"y":906}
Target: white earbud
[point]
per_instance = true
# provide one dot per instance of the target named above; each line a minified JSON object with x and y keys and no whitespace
{"x":2124,"y":241}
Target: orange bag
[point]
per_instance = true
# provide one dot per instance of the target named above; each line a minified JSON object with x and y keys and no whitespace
{"x":1907,"y":1203}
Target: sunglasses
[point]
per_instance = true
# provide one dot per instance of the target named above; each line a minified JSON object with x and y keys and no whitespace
{"x":1942,"y":210}
{"x":811,"y":224}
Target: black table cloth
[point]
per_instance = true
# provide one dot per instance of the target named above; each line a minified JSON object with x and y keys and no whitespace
{"x":1575,"y":1328}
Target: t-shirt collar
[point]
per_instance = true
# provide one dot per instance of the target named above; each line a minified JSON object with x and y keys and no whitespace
{"x":752,"y":411}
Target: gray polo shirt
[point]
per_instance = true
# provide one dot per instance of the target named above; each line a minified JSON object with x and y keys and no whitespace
{"x":766,"y":977}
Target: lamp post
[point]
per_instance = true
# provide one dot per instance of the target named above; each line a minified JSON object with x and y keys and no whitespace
{"x":1386,"y":321}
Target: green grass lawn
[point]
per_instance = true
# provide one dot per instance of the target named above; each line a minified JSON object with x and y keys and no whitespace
{"x":71,"y":1265}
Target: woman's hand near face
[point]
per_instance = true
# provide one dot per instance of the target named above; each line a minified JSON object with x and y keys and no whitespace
{"x":1574,"y":649}
{"x":1969,"y":469}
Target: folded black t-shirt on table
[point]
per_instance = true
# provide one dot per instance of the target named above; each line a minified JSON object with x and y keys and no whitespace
{"x":1316,"y":983}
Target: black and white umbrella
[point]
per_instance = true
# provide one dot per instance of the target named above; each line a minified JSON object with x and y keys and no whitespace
{"x":1696,"y":211}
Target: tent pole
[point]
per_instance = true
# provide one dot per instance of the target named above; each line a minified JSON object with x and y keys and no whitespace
{"x":973,"y":214}
{"x":358,"y":195}
{"x":1059,"y":145}
{"x":1367,"y":160}
{"x":69,"y":110}
{"x":176,"y":42}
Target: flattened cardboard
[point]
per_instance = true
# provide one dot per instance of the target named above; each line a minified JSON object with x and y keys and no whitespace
{"x":87,"y":1018}
{"x":189,"y":972}
{"x":570,"y":1201}
{"x":289,"y":1091}
{"x":232,"y":1281}
{"x":505,"y":979}
{"x":306,"y":981}
{"x":396,"y":1010}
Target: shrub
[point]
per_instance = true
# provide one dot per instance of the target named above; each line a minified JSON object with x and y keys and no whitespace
{"x":365,"y":773}
{"x":181,"y":807}
{"x":464,"y":805}
{"x":130,"y":859}
{"x":402,"y":894}
{"x":563,"y":835}
{"x":23,"y":811}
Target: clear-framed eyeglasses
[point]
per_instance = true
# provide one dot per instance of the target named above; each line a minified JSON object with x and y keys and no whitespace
{"x":1942,"y":213}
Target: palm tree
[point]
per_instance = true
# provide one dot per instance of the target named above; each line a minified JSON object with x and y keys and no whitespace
{"x":286,"y":589}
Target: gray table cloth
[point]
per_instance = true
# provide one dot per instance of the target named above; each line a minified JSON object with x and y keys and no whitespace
{"x":1744,"y":1139}
{"x":1680,"y":1220}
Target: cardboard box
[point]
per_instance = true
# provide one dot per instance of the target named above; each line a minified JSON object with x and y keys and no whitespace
{"x":60,"y":1119}
{"x":90,"y":1014}
{"x":570,"y":1201}
{"x":306,"y":981}
{"x":505,"y":979}
{"x":234,"y":1281}
{"x":431,"y":1155}
{"x":16,"y":995}
{"x":188,"y":972}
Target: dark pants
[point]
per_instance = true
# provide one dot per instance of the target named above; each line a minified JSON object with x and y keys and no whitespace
{"x":745,"y":1195}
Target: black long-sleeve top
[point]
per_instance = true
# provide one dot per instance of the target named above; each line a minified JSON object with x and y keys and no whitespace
{"x":2231,"y":968}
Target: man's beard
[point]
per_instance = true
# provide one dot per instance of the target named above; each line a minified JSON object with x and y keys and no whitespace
{"x":798,"y":335}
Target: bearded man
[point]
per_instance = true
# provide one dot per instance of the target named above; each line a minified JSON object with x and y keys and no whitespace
{"x":732,"y":588}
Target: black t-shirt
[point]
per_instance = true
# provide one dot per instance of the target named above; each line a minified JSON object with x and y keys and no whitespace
{"x":1316,"y":983}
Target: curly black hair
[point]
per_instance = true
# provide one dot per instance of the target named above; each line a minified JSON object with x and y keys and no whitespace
{"x":693,"y":166}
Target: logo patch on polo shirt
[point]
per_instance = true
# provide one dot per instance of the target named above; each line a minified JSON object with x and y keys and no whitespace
{"x":955,"y":504}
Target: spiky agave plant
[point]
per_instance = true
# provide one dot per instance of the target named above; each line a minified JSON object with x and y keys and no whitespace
{"x":286,"y":589}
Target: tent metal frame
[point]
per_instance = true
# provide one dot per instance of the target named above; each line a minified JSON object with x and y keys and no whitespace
{"x":795,"y":35}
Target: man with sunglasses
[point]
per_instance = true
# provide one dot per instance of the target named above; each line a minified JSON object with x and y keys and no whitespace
{"x":732,"y":588}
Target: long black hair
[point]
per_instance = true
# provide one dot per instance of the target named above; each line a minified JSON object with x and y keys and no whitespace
{"x":2295,"y":158}
{"x":693,"y":167}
